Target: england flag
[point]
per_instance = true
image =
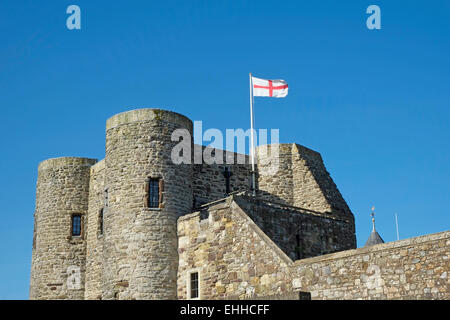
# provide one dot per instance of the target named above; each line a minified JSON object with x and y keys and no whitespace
{"x":269,"y":88}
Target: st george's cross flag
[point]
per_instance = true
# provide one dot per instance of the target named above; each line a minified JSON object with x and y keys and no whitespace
{"x":269,"y":88}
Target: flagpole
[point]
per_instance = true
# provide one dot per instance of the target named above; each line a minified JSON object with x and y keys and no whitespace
{"x":396,"y":226}
{"x":252,"y":138}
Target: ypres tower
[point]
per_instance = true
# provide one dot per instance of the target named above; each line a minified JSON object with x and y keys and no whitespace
{"x":137,"y":226}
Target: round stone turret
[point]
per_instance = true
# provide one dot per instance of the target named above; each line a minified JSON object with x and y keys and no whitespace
{"x":275,"y":179}
{"x":145,"y":193}
{"x":58,"y":257}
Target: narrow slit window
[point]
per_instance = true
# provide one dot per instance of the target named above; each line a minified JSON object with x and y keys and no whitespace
{"x":100,"y":222}
{"x":76,"y":225}
{"x":153,"y":193}
{"x":105,"y":198}
{"x":194,"y":285}
{"x":298,"y":248}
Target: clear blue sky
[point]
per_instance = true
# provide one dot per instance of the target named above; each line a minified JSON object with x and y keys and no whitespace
{"x":374,"y":103}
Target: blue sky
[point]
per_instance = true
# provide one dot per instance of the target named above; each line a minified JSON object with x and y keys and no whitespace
{"x":374,"y":103}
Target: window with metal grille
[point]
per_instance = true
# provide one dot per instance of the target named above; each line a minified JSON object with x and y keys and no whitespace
{"x":194,"y":285}
{"x":76,"y":225}
{"x":153,"y":193}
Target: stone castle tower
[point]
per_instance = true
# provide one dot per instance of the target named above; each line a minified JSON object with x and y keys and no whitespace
{"x":128,"y":248}
{"x":140,"y":243}
{"x":62,"y":190}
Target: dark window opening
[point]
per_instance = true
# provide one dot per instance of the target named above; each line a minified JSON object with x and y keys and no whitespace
{"x":194,"y":285}
{"x":298,"y":249}
{"x":227,"y":174}
{"x":76,"y":225}
{"x":100,"y":222}
{"x":302,"y":295}
{"x":153,"y":193}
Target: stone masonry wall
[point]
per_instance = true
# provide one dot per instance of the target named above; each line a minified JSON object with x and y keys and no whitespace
{"x":416,"y":268}
{"x":140,"y":257}
{"x":94,"y":250}
{"x":301,"y":180}
{"x":313,"y":187}
{"x":300,"y":233}
{"x":58,"y":259}
{"x":233,"y":257}
{"x":275,"y":180}
{"x":209,"y":183}
{"x":243,"y":247}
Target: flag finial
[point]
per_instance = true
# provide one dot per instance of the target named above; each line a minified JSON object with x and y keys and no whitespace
{"x":373,"y":217}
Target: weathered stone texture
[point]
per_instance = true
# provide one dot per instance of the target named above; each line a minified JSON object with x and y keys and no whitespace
{"x":242,"y":246}
{"x":209,"y":183}
{"x":94,"y":249}
{"x":62,"y":190}
{"x":275,"y":180}
{"x":233,"y":256}
{"x":415,"y":268}
{"x":301,"y":180}
{"x":140,"y":246}
{"x":300,"y":233}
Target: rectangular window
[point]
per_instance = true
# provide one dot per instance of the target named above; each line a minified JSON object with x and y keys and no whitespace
{"x":100,"y":222}
{"x":298,"y":248}
{"x":194,"y":285}
{"x":304,"y":295}
{"x":76,"y":225}
{"x":153,"y":193}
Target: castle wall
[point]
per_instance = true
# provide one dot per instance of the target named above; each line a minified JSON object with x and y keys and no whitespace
{"x":243,"y":248}
{"x":58,"y":259}
{"x":313,"y":187}
{"x":233,"y":257}
{"x":94,"y":249}
{"x":140,"y":257}
{"x":299,"y":179}
{"x":236,"y":259}
{"x":298,"y":232}
{"x":416,"y":268}
{"x":275,"y":180}
{"x":209,"y":183}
